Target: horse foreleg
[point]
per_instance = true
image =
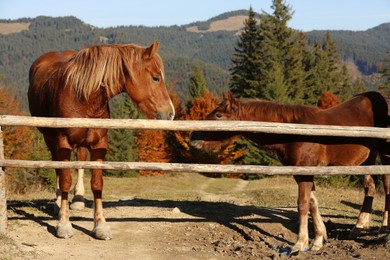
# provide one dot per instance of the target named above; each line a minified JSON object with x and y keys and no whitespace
{"x":319,"y":226}
{"x":101,"y":229}
{"x":304,"y":189}
{"x":78,"y":201}
{"x":64,"y":227}
{"x":386,"y":220}
{"x":57,"y":204}
{"x":363,"y":221}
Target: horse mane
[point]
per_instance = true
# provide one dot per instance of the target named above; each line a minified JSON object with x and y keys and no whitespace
{"x":260,"y":110}
{"x":102,"y":66}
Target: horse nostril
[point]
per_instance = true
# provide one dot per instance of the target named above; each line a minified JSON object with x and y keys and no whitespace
{"x":171,"y":115}
{"x":159,"y":117}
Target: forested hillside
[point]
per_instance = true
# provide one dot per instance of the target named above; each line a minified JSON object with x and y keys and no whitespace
{"x":201,"y":59}
{"x":180,"y":47}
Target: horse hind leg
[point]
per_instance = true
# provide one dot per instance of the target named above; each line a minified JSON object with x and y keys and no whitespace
{"x":78,"y":201}
{"x":304,"y":189}
{"x":320,"y":234}
{"x":364,"y":218}
{"x":385,"y":228}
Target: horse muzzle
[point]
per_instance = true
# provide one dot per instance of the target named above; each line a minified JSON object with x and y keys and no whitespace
{"x":170,"y":115}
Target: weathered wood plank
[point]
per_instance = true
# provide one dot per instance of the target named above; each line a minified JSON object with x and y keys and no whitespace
{"x":201,"y":168}
{"x":3,"y":198}
{"x":198,"y":125}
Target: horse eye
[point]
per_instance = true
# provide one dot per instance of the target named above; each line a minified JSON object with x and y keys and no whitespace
{"x":218,"y":115}
{"x":156,"y":78}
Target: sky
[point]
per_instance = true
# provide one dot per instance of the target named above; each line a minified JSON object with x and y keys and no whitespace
{"x":308,"y":15}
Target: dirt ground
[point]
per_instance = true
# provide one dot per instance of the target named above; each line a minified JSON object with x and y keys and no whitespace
{"x":189,"y":216}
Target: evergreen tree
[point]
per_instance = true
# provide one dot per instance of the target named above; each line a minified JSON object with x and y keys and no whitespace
{"x":268,"y":65}
{"x":281,"y":55}
{"x":245,"y":76}
{"x":121,"y":142}
{"x":197,"y":83}
{"x":296,"y":74}
{"x":317,"y":75}
{"x":384,"y":85}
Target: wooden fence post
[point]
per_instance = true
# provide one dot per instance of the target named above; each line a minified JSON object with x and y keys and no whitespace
{"x":3,"y":198}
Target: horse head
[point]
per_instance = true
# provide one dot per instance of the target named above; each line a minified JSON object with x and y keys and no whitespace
{"x":213,"y":141}
{"x":146,"y":86}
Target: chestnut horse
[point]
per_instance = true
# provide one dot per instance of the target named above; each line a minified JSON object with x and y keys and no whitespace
{"x":367,"y":109}
{"x":79,"y":84}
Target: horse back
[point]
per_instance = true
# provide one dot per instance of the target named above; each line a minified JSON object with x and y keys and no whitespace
{"x":366,"y":109}
{"x":43,"y":79}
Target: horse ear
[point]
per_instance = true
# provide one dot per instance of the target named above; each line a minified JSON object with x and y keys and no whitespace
{"x":152,"y":50}
{"x":233,"y":102}
{"x":224,"y":96}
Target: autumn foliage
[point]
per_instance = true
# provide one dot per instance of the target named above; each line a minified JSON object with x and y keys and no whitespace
{"x":197,"y":110}
{"x":17,"y":141}
{"x":328,"y":100}
{"x":153,"y":145}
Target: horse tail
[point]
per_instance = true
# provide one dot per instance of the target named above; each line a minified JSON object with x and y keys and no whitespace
{"x":379,"y":108}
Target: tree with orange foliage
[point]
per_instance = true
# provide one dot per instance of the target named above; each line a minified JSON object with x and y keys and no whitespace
{"x":17,"y":143}
{"x":328,"y":100}
{"x":153,"y":145}
{"x":197,"y":110}
{"x":184,"y":152}
{"x":17,"y":140}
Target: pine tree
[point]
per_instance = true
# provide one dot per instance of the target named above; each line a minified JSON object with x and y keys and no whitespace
{"x":121,"y":142}
{"x":197,"y":83}
{"x":317,"y":75}
{"x":281,"y":55}
{"x":384,"y":85}
{"x":245,"y":77}
{"x":296,"y":73}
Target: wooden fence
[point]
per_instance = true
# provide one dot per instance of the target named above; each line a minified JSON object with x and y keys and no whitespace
{"x":140,"y":124}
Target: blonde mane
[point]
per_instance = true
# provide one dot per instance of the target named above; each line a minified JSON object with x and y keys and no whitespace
{"x":102,"y":66}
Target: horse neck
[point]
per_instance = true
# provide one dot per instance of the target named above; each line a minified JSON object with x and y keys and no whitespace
{"x":258,"y":110}
{"x":265,"y":111}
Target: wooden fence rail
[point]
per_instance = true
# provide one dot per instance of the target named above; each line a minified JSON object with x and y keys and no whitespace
{"x":140,"y":124}
{"x":194,"y":125}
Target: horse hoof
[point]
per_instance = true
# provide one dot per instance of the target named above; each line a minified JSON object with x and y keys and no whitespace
{"x":78,"y":202}
{"x":102,"y":231}
{"x":300,"y":247}
{"x":383,"y":230}
{"x":355,"y":232}
{"x":64,"y":230}
{"x":56,"y":209}
{"x":77,"y":205}
{"x":315,"y":247}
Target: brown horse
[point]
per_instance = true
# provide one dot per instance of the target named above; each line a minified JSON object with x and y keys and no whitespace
{"x":367,"y":109}
{"x":80,"y":84}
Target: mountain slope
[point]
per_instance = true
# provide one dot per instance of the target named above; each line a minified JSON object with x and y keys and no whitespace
{"x":211,"y":42}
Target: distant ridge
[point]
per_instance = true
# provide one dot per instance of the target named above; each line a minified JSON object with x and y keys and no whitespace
{"x":209,"y":42}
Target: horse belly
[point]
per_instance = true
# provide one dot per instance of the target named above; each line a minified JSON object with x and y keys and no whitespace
{"x":85,"y":137}
{"x":347,"y":154}
{"x":305,"y":154}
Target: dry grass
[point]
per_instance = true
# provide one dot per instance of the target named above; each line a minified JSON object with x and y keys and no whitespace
{"x":8,"y":28}
{"x":274,"y":192}
{"x":234,"y":23}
